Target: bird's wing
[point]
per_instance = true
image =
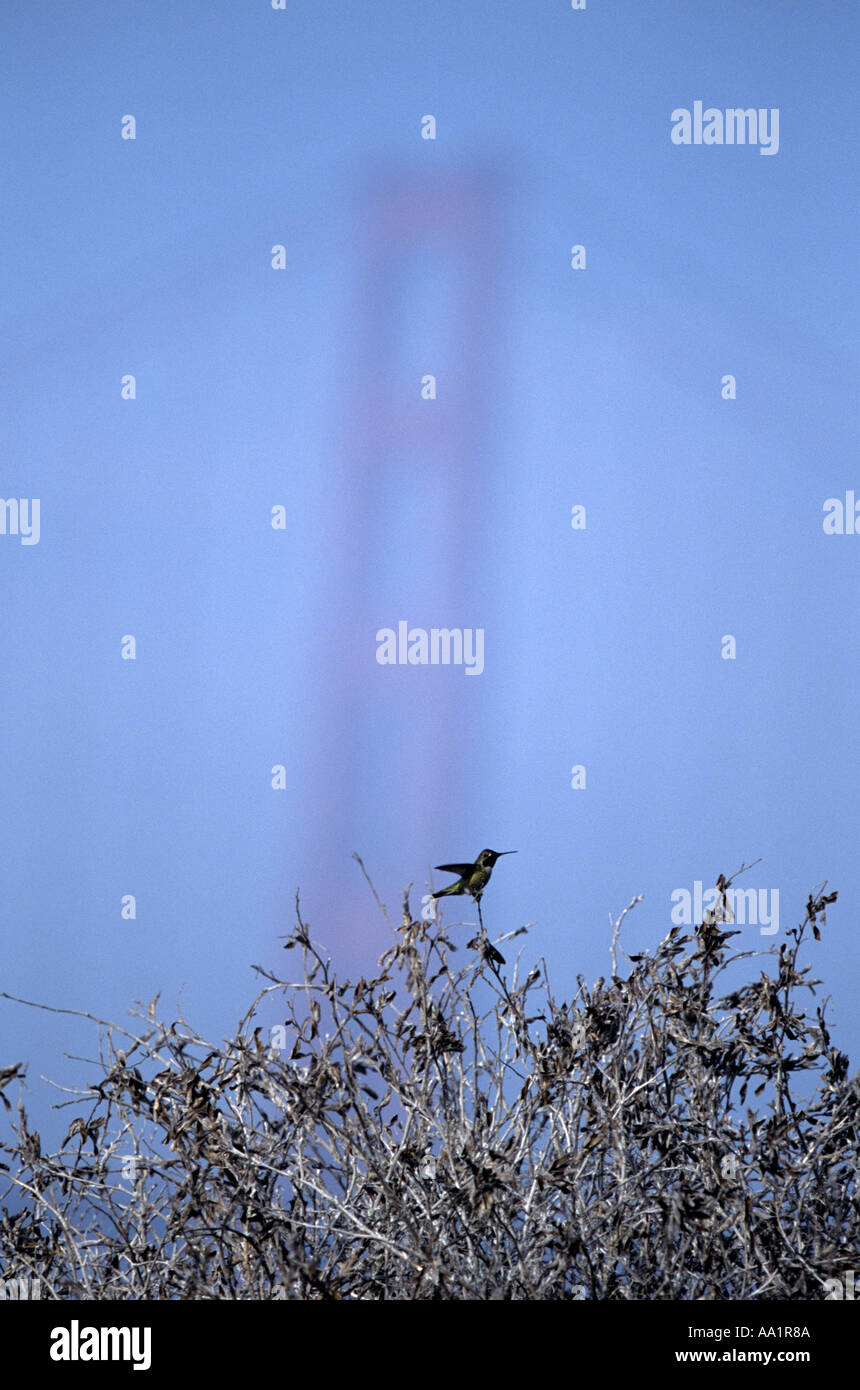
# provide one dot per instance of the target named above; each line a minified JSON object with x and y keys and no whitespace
{"x":455,"y":868}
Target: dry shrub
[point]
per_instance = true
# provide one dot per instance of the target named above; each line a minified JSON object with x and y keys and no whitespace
{"x":442,"y":1131}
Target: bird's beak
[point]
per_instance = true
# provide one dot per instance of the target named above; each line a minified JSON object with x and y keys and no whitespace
{"x":506,"y":851}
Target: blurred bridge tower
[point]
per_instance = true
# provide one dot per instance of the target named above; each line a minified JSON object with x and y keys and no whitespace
{"x":409,"y":492}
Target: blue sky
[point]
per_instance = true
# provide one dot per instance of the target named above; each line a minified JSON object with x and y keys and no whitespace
{"x":300,"y":387}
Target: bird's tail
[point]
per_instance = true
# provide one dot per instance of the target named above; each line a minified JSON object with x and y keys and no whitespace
{"x":443,"y":892}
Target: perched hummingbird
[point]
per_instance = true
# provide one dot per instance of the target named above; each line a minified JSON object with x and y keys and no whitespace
{"x":473,"y":877}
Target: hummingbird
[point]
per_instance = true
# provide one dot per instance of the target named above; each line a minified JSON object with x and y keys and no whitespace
{"x":473,"y":877}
